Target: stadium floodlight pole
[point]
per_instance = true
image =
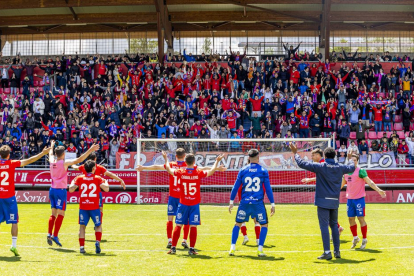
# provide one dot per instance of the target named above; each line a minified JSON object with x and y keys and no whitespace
{"x":138,"y":173}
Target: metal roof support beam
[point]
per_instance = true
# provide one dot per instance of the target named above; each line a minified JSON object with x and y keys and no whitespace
{"x":325,"y":27}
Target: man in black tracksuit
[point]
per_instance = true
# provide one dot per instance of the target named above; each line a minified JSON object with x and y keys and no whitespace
{"x":328,"y":188}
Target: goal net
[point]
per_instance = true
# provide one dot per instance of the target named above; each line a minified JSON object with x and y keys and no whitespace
{"x":275,"y":156}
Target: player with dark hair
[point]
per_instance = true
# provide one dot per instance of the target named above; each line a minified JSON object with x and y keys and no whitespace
{"x":57,"y":193}
{"x":355,"y":193}
{"x":317,"y":157}
{"x":89,"y":186}
{"x":101,"y":171}
{"x":188,"y":211}
{"x":8,"y":203}
{"x":254,"y":180}
{"x":328,"y":188}
{"x":174,"y":192}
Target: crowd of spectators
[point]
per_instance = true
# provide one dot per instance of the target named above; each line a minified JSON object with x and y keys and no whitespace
{"x":112,"y":100}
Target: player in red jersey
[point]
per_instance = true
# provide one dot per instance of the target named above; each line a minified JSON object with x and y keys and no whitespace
{"x":89,"y":186}
{"x":317,"y":157}
{"x":101,"y":171}
{"x":8,"y":203}
{"x":188,"y":211}
{"x":174,"y":192}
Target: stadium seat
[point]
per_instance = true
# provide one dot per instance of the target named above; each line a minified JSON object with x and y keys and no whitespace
{"x":42,"y":83}
{"x":372,"y":135}
{"x":381,"y":95}
{"x":398,"y":118}
{"x":1,"y":90}
{"x":401,"y":134}
{"x":40,"y":88}
{"x":6,"y":91}
{"x":398,"y":127}
{"x":352,"y":135}
{"x":337,"y":144}
{"x":389,"y":134}
{"x":35,"y":83}
{"x":32,"y":89}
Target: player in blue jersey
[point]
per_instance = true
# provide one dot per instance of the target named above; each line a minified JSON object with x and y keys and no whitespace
{"x":254,"y":180}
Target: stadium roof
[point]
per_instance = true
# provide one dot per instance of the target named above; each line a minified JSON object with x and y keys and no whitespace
{"x":72,"y":16}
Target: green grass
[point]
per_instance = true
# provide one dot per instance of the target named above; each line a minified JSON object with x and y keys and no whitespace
{"x":134,"y":244}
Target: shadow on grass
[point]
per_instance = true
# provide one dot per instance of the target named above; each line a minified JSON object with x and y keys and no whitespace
{"x":374,"y":251}
{"x":344,"y":261}
{"x":104,"y":241}
{"x":63,"y":250}
{"x":343,"y":241}
{"x":203,"y":257}
{"x":265,"y":246}
{"x":102,"y":254}
{"x":267,"y":258}
{"x":11,"y":259}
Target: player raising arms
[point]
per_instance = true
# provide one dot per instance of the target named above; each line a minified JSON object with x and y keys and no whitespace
{"x":8,"y":203}
{"x":101,"y":171}
{"x":188,"y":211}
{"x":355,"y":193}
{"x":174,"y":192}
{"x":317,"y":157}
{"x":254,"y":180}
{"x":57,"y":193}
{"x":89,"y":186}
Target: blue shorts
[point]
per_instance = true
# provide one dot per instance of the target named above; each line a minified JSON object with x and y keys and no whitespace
{"x":356,"y":207}
{"x":57,"y":198}
{"x":100,"y":200}
{"x":188,"y":214}
{"x":173,"y":203}
{"x":8,"y":210}
{"x":85,"y":215}
{"x":255,"y":211}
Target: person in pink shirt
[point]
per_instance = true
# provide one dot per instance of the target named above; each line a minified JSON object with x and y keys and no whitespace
{"x":57,"y":193}
{"x":355,"y":193}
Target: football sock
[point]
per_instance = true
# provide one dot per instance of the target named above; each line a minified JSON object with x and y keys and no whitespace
{"x":257,"y":230}
{"x":176,"y":235}
{"x":339,"y":225}
{"x":244,"y":229}
{"x":51,"y":224}
{"x":193,"y":236}
{"x":364,"y":230}
{"x":169,"y":229}
{"x":82,"y":242}
{"x":98,"y":236}
{"x":58,"y":224}
{"x":14,"y":241}
{"x":235,"y":234}
{"x":354,"y":230}
{"x":186,"y":231}
{"x":260,"y":248}
{"x":263,"y":235}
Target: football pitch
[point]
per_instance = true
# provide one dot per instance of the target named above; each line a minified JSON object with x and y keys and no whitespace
{"x":134,"y":243}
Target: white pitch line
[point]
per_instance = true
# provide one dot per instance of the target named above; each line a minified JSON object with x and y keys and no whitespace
{"x":203,"y":234}
{"x":242,"y":251}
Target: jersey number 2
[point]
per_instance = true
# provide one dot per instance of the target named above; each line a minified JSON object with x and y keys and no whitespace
{"x":252,"y":185}
{"x":5,"y":176}
{"x":85,"y":188}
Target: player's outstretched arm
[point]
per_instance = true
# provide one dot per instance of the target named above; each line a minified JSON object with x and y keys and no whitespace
{"x":220,"y":168}
{"x":141,"y":168}
{"x":94,"y":147}
{"x":73,"y":185}
{"x":75,"y":167}
{"x":167,"y":164}
{"x":312,"y":167}
{"x":214,"y":168}
{"x":33,"y":159}
{"x":115,"y":177}
{"x":52,"y":146}
{"x":374,"y":186}
{"x":104,"y":185}
{"x":308,"y":180}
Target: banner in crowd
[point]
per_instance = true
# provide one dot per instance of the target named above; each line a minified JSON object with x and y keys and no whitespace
{"x":235,"y":161}
{"x":42,"y":177}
